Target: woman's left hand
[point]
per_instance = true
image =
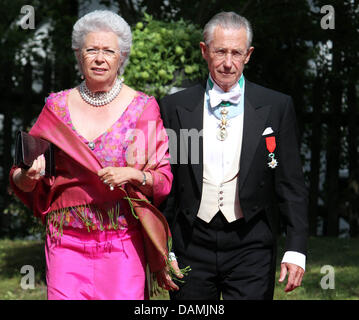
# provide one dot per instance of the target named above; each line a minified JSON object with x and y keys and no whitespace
{"x":118,"y":176}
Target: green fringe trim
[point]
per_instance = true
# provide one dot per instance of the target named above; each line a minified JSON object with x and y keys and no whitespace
{"x":131,"y":204}
{"x":172,"y":272}
{"x":57,"y":218}
{"x":154,"y":288}
{"x":113,"y":215}
{"x":81,"y":213}
{"x":100,"y":219}
{"x":55,"y":223}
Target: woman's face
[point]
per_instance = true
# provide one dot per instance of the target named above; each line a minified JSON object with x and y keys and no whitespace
{"x":100,"y":58}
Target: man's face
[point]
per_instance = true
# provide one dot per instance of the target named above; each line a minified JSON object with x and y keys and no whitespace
{"x":226,"y":55}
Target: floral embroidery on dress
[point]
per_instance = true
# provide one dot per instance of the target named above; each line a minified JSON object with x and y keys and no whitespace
{"x":110,"y":148}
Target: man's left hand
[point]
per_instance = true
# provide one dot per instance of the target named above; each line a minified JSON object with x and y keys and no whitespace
{"x":294,"y":278}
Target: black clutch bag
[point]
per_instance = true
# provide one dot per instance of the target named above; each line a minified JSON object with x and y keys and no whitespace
{"x":28,"y":148}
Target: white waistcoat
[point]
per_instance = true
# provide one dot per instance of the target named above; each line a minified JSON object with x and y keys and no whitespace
{"x":220,"y":169}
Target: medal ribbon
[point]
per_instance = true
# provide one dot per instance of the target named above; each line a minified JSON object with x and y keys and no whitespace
{"x":271,"y":144}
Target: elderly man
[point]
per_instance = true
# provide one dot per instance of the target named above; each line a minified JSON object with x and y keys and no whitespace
{"x":229,"y":178}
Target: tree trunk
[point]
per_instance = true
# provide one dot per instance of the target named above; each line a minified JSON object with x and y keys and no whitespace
{"x":315,"y":148}
{"x":353,"y":159}
{"x":334,"y":144}
{"x":6,"y":164}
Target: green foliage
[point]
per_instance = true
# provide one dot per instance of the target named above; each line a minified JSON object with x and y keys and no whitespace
{"x":163,"y":55}
{"x":21,"y":222}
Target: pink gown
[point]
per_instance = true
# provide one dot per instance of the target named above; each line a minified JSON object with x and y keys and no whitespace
{"x":96,"y":251}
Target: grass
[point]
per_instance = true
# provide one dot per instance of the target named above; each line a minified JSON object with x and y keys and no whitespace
{"x":13,"y":256}
{"x":341,"y":254}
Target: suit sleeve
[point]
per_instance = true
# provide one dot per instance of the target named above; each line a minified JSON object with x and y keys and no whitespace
{"x":289,"y":183}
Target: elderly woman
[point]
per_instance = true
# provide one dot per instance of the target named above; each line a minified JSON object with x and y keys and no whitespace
{"x":111,"y":156}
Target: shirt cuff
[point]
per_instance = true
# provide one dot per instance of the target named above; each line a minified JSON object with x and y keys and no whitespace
{"x":295,"y":257}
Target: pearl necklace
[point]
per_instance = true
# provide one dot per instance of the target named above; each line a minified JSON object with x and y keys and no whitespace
{"x":99,"y":99}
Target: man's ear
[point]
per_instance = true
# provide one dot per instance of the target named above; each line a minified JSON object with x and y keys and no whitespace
{"x":249,"y":52}
{"x":204,"y":50}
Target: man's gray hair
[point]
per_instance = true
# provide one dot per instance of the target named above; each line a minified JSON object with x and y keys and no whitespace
{"x":103,"y":20}
{"x":227,"y":20}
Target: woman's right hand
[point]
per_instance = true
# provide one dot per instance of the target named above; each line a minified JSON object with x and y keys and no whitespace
{"x":27,"y":179}
{"x":37,"y":170}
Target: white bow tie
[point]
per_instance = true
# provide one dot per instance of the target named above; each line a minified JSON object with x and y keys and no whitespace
{"x":217,"y":95}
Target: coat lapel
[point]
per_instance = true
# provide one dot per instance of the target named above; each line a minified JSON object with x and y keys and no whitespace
{"x":191,"y":140}
{"x":255,"y":118}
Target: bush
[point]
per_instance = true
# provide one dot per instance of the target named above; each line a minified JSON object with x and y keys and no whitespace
{"x":163,"y":55}
{"x":21,"y":222}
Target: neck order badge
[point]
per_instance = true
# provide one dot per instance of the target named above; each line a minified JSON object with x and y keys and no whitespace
{"x":271,"y":145}
{"x":222,"y":132}
{"x":222,"y":104}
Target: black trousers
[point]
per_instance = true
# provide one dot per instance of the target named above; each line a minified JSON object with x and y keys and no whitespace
{"x":234,"y":261}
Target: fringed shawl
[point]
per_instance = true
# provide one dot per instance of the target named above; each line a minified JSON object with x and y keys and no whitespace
{"x":77,"y":183}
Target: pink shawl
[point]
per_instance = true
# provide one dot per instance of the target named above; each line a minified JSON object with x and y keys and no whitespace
{"x":77,"y":183}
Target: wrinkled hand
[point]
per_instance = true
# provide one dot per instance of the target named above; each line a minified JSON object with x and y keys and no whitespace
{"x":164,"y":279}
{"x":37,"y":170}
{"x":294,"y":278}
{"x":118,"y":176}
{"x":26,"y":180}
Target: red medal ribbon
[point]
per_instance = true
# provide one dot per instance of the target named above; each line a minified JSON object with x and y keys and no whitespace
{"x":270,"y":142}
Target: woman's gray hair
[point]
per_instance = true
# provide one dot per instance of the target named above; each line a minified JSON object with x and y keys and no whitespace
{"x":103,"y":20}
{"x":227,"y":20}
